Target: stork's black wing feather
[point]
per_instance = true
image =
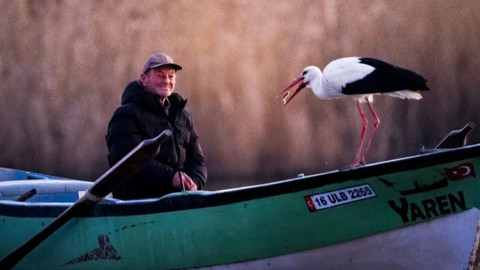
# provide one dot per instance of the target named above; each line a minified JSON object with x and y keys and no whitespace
{"x":385,"y":78}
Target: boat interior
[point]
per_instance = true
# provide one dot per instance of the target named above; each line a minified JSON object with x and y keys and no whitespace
{"x":16,"y":185}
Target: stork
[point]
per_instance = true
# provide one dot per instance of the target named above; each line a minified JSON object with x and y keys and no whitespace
{"x":359,"y":78}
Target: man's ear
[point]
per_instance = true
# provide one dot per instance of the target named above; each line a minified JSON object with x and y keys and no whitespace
{"x":143,"y":77}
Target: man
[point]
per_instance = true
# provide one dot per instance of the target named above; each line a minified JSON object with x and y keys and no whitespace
{"x":148,"y":107}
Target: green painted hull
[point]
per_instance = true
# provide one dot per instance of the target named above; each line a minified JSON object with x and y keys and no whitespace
{"x":197,"y":229}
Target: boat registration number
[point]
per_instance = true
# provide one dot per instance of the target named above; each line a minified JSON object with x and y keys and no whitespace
{"x":339,"y":197}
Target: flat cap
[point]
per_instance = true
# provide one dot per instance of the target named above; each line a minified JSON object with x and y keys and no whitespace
{"x":159,"y":60}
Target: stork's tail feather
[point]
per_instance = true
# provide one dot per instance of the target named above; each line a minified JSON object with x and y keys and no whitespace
{"x":406,"y":94}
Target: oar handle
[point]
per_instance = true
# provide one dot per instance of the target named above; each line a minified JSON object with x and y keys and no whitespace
{"x":27,"y":195}
{"x":105,"y":184}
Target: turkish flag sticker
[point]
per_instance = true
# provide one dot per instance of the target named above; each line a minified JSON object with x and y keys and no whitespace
{"x":460,"y":172}
{"x":310,"y":204}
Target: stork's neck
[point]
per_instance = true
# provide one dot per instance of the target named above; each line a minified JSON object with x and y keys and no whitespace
{"x":315,"y":82}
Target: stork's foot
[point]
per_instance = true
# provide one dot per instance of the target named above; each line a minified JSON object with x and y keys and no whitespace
{"x":354,"y":165}
{"x":358,"y":163}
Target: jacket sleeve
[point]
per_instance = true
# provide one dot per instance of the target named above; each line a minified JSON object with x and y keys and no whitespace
{"x":123,"y":135}
{"x":195,"y":163}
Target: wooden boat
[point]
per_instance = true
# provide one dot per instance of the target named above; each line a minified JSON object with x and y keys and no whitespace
{"x":418,"y":212}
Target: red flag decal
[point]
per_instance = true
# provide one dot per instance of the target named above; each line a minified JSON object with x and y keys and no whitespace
{"x":310,"y":204}
{"x":461,"y":171}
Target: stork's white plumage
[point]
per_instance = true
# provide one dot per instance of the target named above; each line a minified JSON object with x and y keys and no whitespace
{"x":359,"y":78}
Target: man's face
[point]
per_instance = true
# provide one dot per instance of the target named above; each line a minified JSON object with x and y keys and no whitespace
{"x":159,"y":81}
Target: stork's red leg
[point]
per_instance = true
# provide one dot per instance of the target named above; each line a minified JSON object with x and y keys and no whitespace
{"x":360,"y":157}
{"x":376,"y":123}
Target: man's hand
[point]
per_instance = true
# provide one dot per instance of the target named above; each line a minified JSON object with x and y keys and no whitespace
{"x":187,"y":181}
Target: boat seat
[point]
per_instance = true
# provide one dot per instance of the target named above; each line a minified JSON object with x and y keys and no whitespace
{"x":12,"y":174}
{"x":47,"y":190}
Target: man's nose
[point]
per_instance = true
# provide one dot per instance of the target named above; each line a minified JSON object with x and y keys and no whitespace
{"x":165,"y":78}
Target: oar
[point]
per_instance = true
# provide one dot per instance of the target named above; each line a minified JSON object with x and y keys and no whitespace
{"x":105,"y":184}
{"x":27,"y":195}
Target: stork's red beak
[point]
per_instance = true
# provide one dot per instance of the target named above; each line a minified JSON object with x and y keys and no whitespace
{"x":288,"y":95}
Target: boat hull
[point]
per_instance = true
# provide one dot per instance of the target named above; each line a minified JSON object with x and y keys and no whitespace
{"x":444,"y":243}
{"x":299,"y":222}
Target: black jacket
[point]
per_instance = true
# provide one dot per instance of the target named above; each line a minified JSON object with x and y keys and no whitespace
{"x":140,"y":117}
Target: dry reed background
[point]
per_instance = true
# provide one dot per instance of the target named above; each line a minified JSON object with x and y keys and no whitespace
{"x":64,"y":65}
